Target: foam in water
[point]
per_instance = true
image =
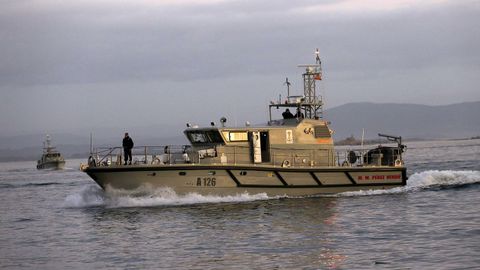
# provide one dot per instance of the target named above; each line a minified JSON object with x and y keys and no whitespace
{"x":146,"y":196}
{"x":89,"y":196}
{"x":426,"y":180}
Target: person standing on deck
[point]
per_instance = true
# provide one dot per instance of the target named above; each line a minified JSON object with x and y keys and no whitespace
{"x":127,"y":144}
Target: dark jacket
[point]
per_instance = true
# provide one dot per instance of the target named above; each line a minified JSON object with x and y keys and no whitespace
{"x":287,"y":114}
{"x":127,"y":143}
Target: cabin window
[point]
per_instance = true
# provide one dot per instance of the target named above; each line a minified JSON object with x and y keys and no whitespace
{"x":198,"y":137}
{"x":322,"y":132}
{"x":204,"y":136}
{"x":214,"y":136}
{"x":238,"y":136}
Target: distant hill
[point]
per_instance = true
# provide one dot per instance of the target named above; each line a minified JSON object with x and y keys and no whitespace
{"x":407,"y":120}
{"x":460,"y":120}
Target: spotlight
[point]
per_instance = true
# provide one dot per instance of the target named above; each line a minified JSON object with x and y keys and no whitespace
{"x":223,"y":120}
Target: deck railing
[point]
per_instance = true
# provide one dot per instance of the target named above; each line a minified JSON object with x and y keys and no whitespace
{"x":238,"y":155}
{"x":165,"y":154}
{"x":380,"y":156}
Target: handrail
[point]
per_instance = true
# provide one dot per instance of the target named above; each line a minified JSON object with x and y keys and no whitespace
{"x":104,"y":155}
{"x":109,"y":152}
{"x":278,"y":156}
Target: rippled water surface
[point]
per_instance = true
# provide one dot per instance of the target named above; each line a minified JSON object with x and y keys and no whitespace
{"x":61,"y":219}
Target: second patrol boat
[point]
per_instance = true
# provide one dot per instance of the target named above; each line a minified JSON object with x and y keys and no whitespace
{"x":51,"y":158}
{"x":292,"y":156}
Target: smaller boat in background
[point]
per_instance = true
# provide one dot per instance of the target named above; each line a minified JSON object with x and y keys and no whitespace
{"x":51,"y":158}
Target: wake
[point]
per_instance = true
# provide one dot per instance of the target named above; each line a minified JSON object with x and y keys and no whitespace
{"x":426,"y":180}
{"x":146,"y":196}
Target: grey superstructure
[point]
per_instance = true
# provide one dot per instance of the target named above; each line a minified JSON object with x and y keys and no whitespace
{"x":293,"y":156}
{"x":51,"y":158}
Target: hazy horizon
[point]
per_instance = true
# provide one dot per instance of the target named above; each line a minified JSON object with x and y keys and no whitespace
{"x":166,"y":130}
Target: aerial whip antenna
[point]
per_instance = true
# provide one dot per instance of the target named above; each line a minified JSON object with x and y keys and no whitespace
{"x":288,"y":86}
{"x":318,"y":70}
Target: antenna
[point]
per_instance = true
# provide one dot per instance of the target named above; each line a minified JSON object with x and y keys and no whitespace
{"x":363,"y":137}
{"x":309,"y":105}
{"x":48,"y":141}
{"x":318,"y":71}
{"x":91,"y":143}
{"x":313,"y":73}
{"x":47,"y":145}
{"x":288,"y":86}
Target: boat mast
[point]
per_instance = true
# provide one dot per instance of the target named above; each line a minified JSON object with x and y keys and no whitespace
{"x":47,"y":146}
{"x":312,"y":103}
{"x":309,"y":104}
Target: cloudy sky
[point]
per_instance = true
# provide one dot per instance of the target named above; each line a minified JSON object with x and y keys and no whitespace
{"x":81,"y":66}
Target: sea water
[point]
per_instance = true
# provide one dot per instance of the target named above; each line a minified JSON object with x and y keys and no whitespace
{"x":63,"y":220}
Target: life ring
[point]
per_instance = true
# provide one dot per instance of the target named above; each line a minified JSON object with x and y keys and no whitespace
{"x":398,"y":163}
{"x":286,"y":163}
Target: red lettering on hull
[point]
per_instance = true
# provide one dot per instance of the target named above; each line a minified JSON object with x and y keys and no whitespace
{"x":379,"y":177}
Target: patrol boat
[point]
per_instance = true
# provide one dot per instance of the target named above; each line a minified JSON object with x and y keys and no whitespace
{"x":293,"y":156}
{"x":51,"y":158}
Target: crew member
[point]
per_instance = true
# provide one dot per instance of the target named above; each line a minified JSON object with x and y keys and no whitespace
{"x":127,"y":144}
{"x":299,"y":114}
{"x":287,"y":114}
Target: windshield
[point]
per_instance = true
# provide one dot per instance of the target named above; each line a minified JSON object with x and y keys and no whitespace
{"x":204,"y":137}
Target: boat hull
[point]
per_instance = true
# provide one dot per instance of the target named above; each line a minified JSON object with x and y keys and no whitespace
{"x":51,"y":165}
{"x":231,"y":180}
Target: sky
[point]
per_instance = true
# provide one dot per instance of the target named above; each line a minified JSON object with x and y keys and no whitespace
{"x":117,"y":65}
